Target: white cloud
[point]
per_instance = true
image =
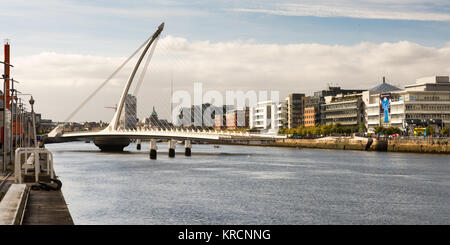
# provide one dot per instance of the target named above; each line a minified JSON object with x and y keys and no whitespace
{"x":422,"y":10}
{"x":60,"y":82}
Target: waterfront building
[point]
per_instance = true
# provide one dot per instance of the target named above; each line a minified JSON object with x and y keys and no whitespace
{"x":331,"y":91}
{"x":295,"y":104}
{"x":71,"y":126}
{"x":282,"y":115}
{"x":219,"y":122}
{"x":202,"y":115}
{"x":348,"y":110}
{"x":220,"y":116}
{"x":154,"y":122}
{"x":264,"y":116}
{"x":427,"y":102}
{"x":238,"y":118}
{"x":311,"y":112}
{"x":128,"y":117}
{"x":372,"y":106}
{"x":47,"y":125}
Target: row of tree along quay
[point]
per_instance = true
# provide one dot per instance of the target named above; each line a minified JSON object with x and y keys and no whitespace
{"x":323,"y":130}
{"x":337,"y":136}
{"x":341,"y":130}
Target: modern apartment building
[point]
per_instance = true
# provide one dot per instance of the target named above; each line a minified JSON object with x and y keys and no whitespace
{"x":205,"y":115}
{"x":348,"y":110}
{"x":282,"y":115}
{"x":331,"y":91}
{"x":295,"y":104}
{"x":427,"y":102}
{"x":264,"y":116}
{"x":238,"y":118}
{"x":311,"y":114}
{"x":128,"y":117}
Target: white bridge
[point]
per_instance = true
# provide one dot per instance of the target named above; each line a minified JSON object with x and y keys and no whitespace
{"x":115,"y":138}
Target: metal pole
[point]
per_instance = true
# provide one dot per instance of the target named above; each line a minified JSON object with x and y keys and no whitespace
{"x":20,"y":123}
{"x":28,"y":129}
{"x":34,"y":121}
{"x":15,"y":120}
{"x":23,"y":125}
{"x":4,"y":123}
{"x":11,"y":149}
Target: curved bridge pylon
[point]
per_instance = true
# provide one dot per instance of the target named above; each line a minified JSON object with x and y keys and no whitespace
{"x":115,"y":138}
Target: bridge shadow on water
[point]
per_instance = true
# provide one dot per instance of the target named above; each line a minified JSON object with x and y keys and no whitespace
{"x":181,"y":153}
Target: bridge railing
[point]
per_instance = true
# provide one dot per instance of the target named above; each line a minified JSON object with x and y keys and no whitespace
{"x":31,"y":160}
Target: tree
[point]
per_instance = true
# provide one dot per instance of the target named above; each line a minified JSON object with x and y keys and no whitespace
{"x":430,"y":130}
{"x":317,"y":130}
{"x":339,"y":128}
{"x":445,"y":131}
{"x":380,"y":130}
{"x":362,"y":128}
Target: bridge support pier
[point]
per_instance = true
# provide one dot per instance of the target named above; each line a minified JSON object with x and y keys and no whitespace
{"x":138,"y":144}
{"x":172,"y":148}
{"x":153,"y":149}
{"x":111,"y":143}
{"x":187,"y":148}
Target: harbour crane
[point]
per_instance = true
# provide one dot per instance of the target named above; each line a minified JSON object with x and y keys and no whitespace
{"x":112,"y":107}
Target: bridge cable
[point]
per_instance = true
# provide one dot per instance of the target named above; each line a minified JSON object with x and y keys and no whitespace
{"x":196,"y":109}
{"x":147,"y":62}
{"x":105,"y":82}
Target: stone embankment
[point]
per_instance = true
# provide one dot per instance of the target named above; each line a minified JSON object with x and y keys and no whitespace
{"x":428,"y":145}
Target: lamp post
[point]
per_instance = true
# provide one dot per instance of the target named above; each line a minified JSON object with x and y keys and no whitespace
{"x":20,"y":122}
{"x":15,"y":117}
{"x":5,"y":78}
{"x":24,"y":122}
{"x":4,"y":123}
{"x":34,"y":121}
{"x":13,"y":110}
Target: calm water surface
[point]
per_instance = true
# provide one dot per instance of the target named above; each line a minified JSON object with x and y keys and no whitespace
{"x":252,"y":185}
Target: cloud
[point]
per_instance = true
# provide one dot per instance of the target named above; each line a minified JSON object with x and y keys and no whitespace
{"x":421,"y":10}
{"x":59,"y":82}
{"x":66,"y":8}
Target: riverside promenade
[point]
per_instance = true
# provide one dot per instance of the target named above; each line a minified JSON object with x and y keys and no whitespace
{"x":31,"y":203}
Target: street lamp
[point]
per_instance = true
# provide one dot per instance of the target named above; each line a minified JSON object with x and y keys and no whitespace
{"x":25,"y":119}
{"x":13,"y":110}
{"x":5,"y":139}
{"x":16,"y":115}
{"x":4,"y":77}
{"x":34,"y":121}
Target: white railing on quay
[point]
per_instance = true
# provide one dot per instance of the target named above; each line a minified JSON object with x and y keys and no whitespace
{"x":31,"y":161}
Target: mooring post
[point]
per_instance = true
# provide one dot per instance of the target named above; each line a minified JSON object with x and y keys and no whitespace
{"x":138,"y":144}
{"x":187,"y":148}
{"x":153,"y":148}
{"x":172,"y":148}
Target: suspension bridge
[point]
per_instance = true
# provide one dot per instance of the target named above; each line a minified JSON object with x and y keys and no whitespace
{"x":116,"y":136}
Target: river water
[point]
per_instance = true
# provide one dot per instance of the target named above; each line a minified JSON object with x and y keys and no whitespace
{"x":252,"y":185}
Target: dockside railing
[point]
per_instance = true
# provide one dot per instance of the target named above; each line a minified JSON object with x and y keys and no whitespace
{"x":32,"y":160}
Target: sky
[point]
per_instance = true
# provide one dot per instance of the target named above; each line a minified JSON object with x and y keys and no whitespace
{"x":62,"y":50}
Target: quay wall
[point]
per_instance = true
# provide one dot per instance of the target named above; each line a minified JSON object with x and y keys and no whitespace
{"x":363,"y":144}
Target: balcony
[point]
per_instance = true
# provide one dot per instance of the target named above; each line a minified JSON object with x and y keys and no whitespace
{"x":341,"y":116}
{"x":341,"y":108}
